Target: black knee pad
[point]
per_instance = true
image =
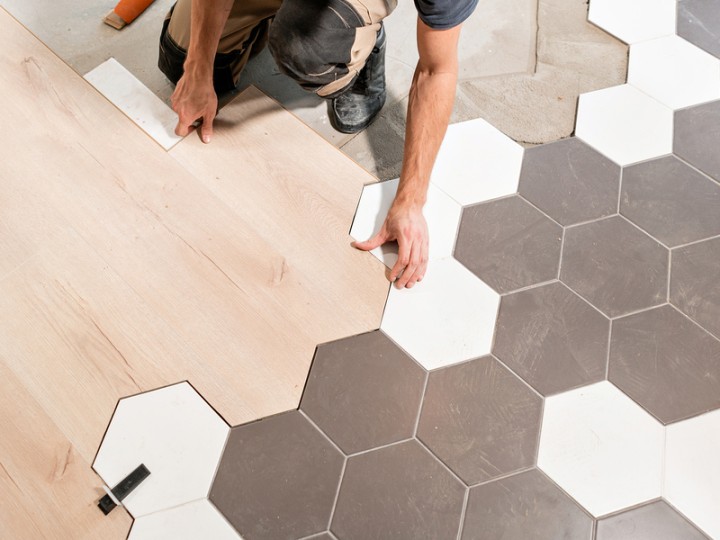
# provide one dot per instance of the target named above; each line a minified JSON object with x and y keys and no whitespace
{"x":311,"y":41}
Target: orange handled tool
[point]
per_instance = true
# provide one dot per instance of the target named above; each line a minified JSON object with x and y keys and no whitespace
{"x":126,"y":12}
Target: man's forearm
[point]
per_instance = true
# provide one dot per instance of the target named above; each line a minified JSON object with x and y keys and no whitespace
{"x":430,"y":104}
{"x":208,"y":18}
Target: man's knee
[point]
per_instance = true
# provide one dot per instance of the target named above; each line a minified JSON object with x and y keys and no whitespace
{"x":313,"y":46}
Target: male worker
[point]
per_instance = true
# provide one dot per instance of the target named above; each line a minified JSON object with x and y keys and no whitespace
{"x":335,"y":48}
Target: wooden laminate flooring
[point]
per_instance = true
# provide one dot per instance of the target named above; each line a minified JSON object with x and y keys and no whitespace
{"x":124,"y":268}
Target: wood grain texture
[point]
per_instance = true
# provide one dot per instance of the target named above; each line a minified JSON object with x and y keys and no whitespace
{"x":124,"y":268}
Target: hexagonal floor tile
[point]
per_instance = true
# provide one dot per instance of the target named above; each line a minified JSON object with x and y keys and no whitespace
{"x":648,"y":522}
{"x":665,"y":363}
{"x":450,"y":318}
{"x":625,"y":124}
{"x":692,"y":474}
{"x":633,"y":21}
{"x":364,"y":392}
{"x":527,"y":506}
{"x":695,"y":283}
{"x":198,"y":519}
{"x":400,"y":492}
{"x":697,"y":137}
{"x":509,"y":244}
{"x":477,"y":162}
{"x":178,"y":437}
{"x":675,"y":72}
{"x":278,"y":478}
{"x":671,"y":201}
{"x":602,"y":448}
{"x":614,"y":266}
{"x":552,"y":338}
{"x":698,"y":21}
{"x":480,"y":420}
{"x":441,"y":212}
{"x":570,"y":181}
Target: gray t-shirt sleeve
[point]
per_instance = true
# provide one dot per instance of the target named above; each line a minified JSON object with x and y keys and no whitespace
{"x":444,"y":14}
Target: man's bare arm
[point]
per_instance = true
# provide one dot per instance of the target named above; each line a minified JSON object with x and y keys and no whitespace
{"x":431,"y":100}
{"x":194,"y":97}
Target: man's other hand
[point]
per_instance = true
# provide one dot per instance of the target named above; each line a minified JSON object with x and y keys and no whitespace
{"x":194,"y":99}
{"x":407,"y":225}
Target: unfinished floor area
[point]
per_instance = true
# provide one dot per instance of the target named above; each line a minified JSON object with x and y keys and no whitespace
{"x":199,"y":310}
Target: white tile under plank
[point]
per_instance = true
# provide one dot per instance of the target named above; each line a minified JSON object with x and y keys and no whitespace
{"x":197,"y":520}
{"x":602,"y":448}
{"x":634,"y":21}
{"x":441,"y":213}
{"x":133,"y":98}
{"x":448,"y":318}
{"x":477,"y":162}
{"x":692,"y":470}
{"x":178,"y":437}
{"x":674,"y":71}
{"x":625,"y":124}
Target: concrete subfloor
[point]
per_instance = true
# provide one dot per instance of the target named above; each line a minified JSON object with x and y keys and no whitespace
{"x":522,"y":65}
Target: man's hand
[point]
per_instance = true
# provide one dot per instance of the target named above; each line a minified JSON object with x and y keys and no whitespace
{"x":194,"y":99}
{"x":407,"y":225}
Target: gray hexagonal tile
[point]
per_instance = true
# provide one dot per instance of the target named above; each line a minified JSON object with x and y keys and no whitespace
{"x":570,"y":181}
{"x":552,"y":338}
{"x":277,"y":478}
{"x":698,"y":21}
{"x":614,"y":266}
{"x":364,"y":392}
{"x":671,"y":201}
{"x":695,"y":283}
{"x":697,"y":137}
{"x":508,"y":244}
{"x":527,"y":506}
{"x":400,"y":492}
{"x":480,"y":420}
{"x":665,"y":363}
{"x":648,"y":522}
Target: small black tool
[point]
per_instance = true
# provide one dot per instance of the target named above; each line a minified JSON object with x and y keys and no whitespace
{"x":123,"y":489}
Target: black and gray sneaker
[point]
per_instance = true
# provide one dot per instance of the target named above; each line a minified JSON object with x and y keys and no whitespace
{"x":356,"y":108}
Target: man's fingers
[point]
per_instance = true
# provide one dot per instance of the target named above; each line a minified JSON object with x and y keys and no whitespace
{"x":378,"y":240}
{"x":206,"y":129}
{"x":402,"y":262}
{"x":182,"y":128}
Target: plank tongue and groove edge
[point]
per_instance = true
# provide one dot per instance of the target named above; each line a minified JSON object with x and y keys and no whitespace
{"x":124,"y":268}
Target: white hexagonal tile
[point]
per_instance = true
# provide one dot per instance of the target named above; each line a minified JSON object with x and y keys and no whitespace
{"x":602,"y":448}
{"x":178,"y":437}
{"x":192,"y":521}
{"x":448,"y":318}
{"x":692,"y":470}
{"x":633,"y":21}
{"x":441,"y":213}
{"x":675,"y":72}
{"x":477,"y":162}
{"x":625,"y":124}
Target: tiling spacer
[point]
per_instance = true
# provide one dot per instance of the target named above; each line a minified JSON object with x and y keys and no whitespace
{"x":115,"y":495}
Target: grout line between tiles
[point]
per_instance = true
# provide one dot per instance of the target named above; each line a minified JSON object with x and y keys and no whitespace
{"x":337,"y":493}
{"x":442,"y":463}
{"x":607,"y":357}
{"x":503,"y":477}
{"x":693,"y":167}
{"x":684,"y":516}
{"x":523,"y":381}
{"x":694,"y":242}
{"x":533,"y":205}
{"x":224,"y":517}
{"x":463,"y":513}
{"x":697,"y":324}
{"x":422,"y":404}
{"x":620,"y":189}
{"x":527,"y":287}
{"x":651,"y":237}
{"x":669,"y":275}
{"x":313,"y":424}
{"x":562,"y":490}
{"x":638,"y":311}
